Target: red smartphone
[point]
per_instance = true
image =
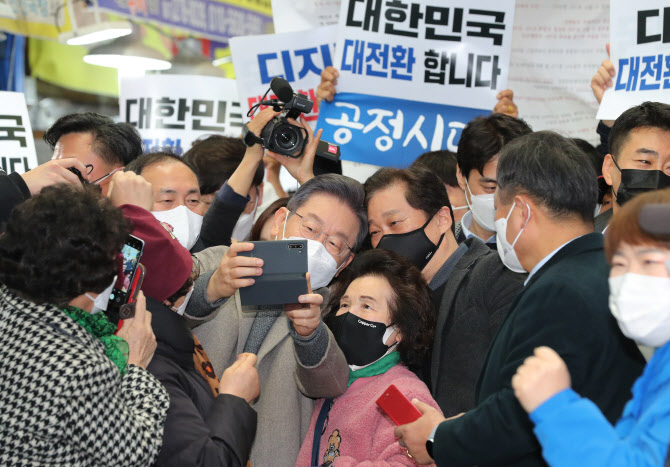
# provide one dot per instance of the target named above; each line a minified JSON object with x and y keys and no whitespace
{"x":397,"y":406}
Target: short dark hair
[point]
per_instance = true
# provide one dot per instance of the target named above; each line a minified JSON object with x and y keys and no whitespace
{"x":553,"y":171}
{"x":116,"y":143}
{"x":424,"y":190}
{"x":62,"y":243}
{"x":596,"y":159}
{"x":269,"y":212}
{"x":484,"y":137}
{"x":441,"y":163}
{"x":647,"y":114}
{"x":160,"y":155}
{"x":346,"y":189}
{"x":411,"y":307}
{"x":215,"y":158}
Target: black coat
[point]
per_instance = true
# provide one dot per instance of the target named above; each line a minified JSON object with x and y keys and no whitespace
{"x":200,"y":430}
{"x":565,"y":307}
{"x":475,"y":301}
{"x":13,"y":190}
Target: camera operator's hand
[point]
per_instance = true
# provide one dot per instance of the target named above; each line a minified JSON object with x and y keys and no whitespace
{"x":305,"y":315}
{"x":241,"y":378}
{"x":130,"y":188}
{"x":301,"y":168}
{"x":139,"y":335}
{"x":505,"y":104}
{"x":256,"y":125}
{"x":52,"y":172}
{"x":326,"y":90}
{"x":602,"y":80}
{"x":228,"y":277}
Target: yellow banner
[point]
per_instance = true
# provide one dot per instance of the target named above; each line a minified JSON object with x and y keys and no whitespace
{"x":38,"y":18}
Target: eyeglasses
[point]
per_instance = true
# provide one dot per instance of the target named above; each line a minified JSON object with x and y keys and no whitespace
{"x":98,"y":180}
{"x":311,"y":229}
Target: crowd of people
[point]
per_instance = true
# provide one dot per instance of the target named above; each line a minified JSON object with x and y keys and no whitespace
{"x":517,"y":292}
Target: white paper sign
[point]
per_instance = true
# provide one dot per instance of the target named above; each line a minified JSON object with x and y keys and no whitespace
{"x":301,"y":15}
{"x":298,"y":57}
{"x":175,"y":110}
{"x":640,"y":53}
{"x":17,"y":146}
{"x":426,"y":51}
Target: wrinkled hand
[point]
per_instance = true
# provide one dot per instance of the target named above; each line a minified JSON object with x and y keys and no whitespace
{"x":413,"y":436}
{"x":53,"y":172}
{"x":139,"y":335}
{"x":305,"y":315}
{"x":301,"y":168}
{"x":130,"y":188}
{"x":234,"y":272}
{"x":326,"y":89}
{"x":541,"y":377}
{"x":505,"y":104}
{"x":241,"y":378}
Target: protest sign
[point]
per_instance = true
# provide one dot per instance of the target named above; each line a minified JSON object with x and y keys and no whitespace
{"x":298,"y":57}
{"x":301,"y":15}
{"x":175,"y":110}
{"x":640,"y":53}
{"x":417,"y":72}
{"x":17,"y":146}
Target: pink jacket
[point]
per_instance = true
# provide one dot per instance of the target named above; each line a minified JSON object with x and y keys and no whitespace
{"x":357,"y":431}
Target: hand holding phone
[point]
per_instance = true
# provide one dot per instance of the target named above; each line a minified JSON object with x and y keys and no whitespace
{"x":127,"y":310}
{"x":121,"y":293}
{"x":397,"y":406}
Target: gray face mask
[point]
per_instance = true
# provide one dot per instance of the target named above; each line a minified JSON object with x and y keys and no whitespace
{"x":100,"y":302}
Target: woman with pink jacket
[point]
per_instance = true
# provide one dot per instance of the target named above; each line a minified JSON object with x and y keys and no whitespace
{"x":382,"y":318}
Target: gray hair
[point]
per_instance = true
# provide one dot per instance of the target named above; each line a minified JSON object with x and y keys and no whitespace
{"x":345,"y":189}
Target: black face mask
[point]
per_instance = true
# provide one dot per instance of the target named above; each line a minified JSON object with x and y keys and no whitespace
{"x":361,"y":341}
{"x":414,"y":245}
{"x":635,"y":182}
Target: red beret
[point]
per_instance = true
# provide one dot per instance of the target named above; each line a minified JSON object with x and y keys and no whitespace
{"x":168,"y":264}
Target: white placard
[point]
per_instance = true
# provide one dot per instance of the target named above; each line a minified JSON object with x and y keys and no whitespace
{"x":426,"y":51}
{"x":175,"y":110}
{"x":640,"y":53}
{"x":301,"y":15}
{"x":17,"y":146}
{"x":298,"y":57}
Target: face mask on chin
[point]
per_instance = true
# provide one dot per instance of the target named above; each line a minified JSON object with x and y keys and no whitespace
{"x":483,"y":209}
{"x":635,"y":181}
{"x":641,"y":306}
{"x":414,"y":245}
{"x":182,"y":223}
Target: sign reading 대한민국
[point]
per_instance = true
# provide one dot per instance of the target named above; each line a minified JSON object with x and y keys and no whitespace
{"x":298,"y":57}
{"x":175,"y":110}
{"x":17,"y":147}
{"x":425,"y":68}
{"x":640,"y":53}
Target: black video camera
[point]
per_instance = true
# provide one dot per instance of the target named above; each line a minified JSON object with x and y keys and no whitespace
{"x":279,"y":135}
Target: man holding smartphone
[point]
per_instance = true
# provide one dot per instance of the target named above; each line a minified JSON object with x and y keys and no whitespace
{"x":298,"y":359}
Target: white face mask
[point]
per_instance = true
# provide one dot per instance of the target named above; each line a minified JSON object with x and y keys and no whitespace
{"x":458,"y":208}
{"x":100,"y":302}
{"x":641,"y":306}
{"x":244,"y":224}
{"x":505,"y":250}
{"x":321,"y":265}
{"x":483,"y":209}
{"x":183,"y":223}
{"x":182,"y":308}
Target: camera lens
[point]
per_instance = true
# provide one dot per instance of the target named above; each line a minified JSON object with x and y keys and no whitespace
{"x":287,"y":138}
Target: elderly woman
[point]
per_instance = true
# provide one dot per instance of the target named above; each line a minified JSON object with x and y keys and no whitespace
{"x":71,"y":392}
{"x":382,"y":318}
{"x":571,"y":430}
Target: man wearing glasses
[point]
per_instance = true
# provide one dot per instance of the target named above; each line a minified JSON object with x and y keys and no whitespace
{"x":298,"y":360}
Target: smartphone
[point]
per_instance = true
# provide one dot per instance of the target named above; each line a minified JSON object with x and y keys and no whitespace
{"x":284,"y":268}
{"x":397,"y":406}
{"x":132,"y":253}
{"x":127,"y":310}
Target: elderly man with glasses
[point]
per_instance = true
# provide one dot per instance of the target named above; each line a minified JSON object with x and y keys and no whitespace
{"x":298,"y":359}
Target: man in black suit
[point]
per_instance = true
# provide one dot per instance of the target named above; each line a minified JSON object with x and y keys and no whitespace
{"x":545,"y":201}
{"x":409,"y":213}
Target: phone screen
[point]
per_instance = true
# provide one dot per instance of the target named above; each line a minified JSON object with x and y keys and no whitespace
{"x":132,"y":252}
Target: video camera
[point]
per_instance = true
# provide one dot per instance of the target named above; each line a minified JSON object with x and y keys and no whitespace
{"x":279,"y":135}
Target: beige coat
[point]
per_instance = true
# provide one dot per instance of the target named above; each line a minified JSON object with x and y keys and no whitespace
{"x":287,"y":387}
